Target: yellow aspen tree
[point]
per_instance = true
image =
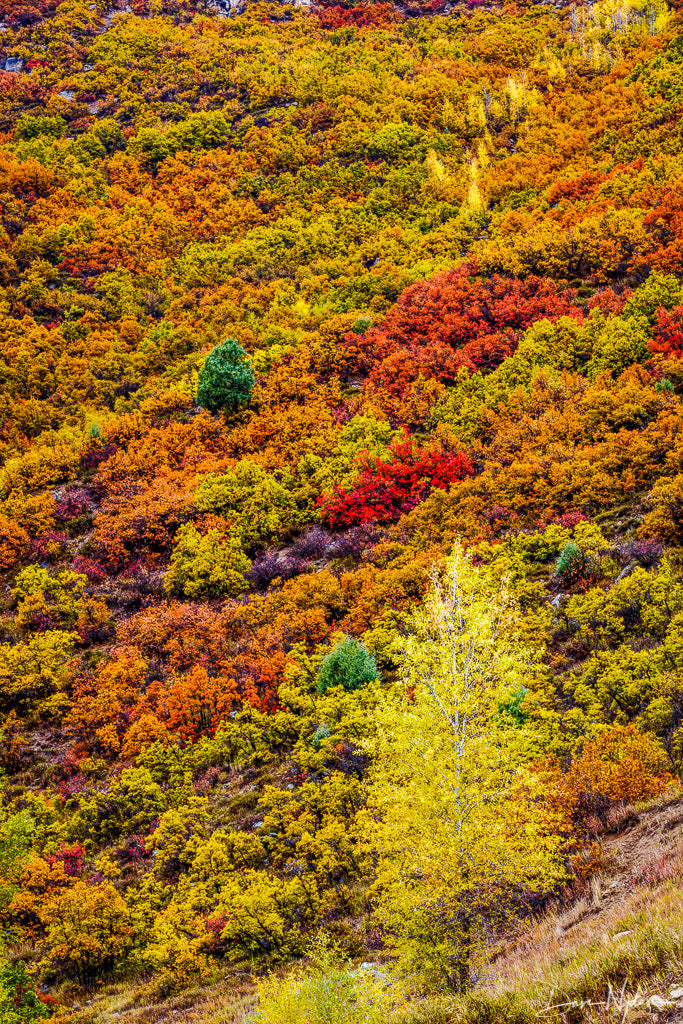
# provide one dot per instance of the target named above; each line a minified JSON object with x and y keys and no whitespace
{"x":462,"y":833}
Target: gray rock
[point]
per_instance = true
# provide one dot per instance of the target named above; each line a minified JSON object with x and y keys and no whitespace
{"x":376,"y":972}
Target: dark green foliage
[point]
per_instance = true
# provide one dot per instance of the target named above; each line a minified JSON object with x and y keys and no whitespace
{"x":571,"y":565}
{"x":512,"y":707}
{"x":19,"y":1003}
{"x":226,"y":379}
{"x":349,"y":664}
{"x":362,"y":325}
{"x":108,"y":131}
{"x":201,"y":130}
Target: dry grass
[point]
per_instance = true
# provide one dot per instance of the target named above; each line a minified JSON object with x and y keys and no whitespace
{"x":621,"y":972}
{"x":229,"y":1001}
{"x":635,"y":863}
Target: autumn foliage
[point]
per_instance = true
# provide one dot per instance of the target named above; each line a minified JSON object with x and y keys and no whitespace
{"x":294,"y":304}
{"x":386,"y":489}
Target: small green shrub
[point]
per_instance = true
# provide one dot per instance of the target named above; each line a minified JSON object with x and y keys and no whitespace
{"x":258,"y":506}
{"x":349,"y":664}
{"x":320,"y":734}
{"x":362,"y":325}
{"x":19,"y":1003}
{"x":15,"y":843}
{"x":573,"y":563}
{"x":226,"y":380}
{"x":307,"y":999}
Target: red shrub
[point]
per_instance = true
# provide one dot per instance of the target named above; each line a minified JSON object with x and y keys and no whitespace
{"x":206,"y":781}
{"x":385,"y":491}
{"x":587,"y":185}
{"x":668,"y":333}
{"x":568,"y":520}
{"x":88,"y":567}
{"x":608,"y":302}
{"x":95,"y":454}
{"x":455,"y":321}
{"x":73,"y":503}
{"x":72,"y":857}
{"x":70,"y":787}
{"x":214,"y":942}
{"x":49,"y":545}
{"x":133,"y":850}
{"x":47,"y":999}
{"x":500,"y":518}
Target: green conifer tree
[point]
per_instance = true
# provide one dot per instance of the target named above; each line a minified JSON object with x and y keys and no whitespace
{"x":226,"y":380}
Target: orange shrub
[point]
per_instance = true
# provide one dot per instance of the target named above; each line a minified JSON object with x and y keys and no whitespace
{"x":621,"y":765}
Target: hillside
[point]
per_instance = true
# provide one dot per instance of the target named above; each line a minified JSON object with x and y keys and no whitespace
{"x":573,"y":953}
{"x":341,"y":403}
